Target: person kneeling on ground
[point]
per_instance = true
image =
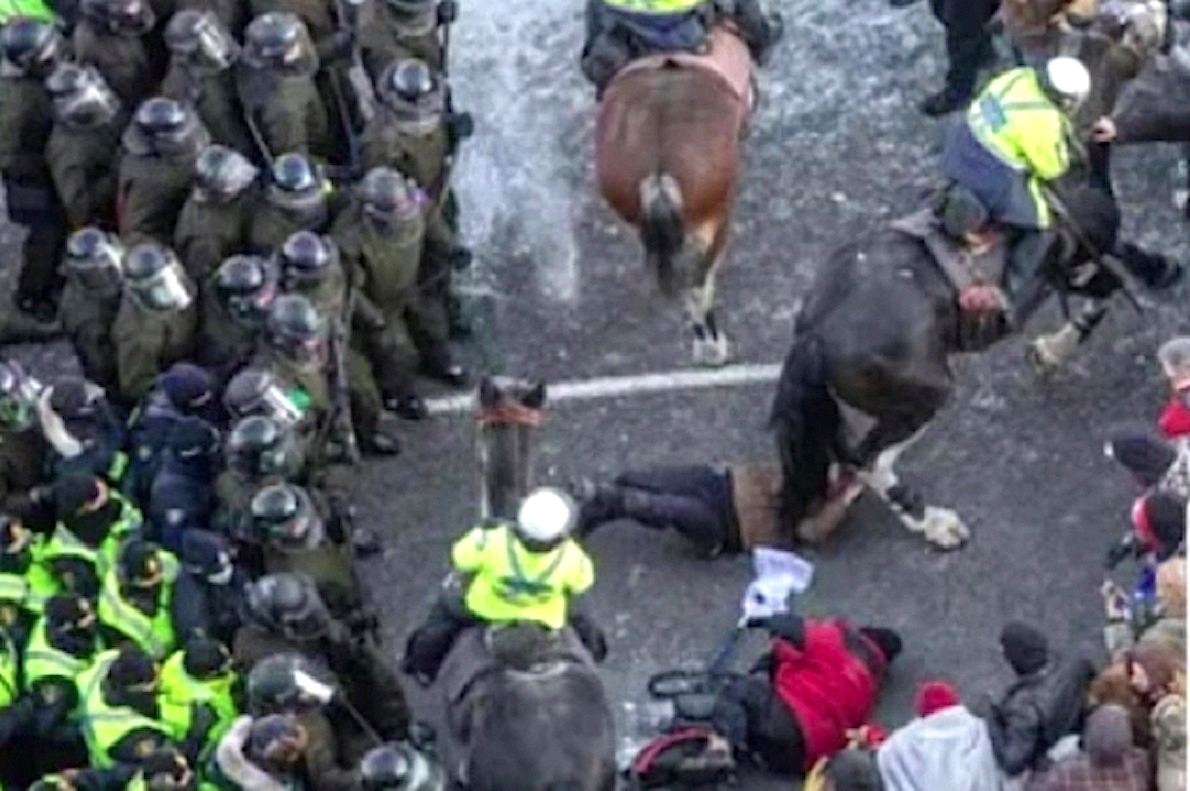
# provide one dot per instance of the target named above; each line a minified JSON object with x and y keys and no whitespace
{"x":531,"y":570}
{"x":818,"y":682}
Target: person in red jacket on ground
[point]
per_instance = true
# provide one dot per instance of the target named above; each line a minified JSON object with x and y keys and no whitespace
{"x":1174,"y":356}
{"x":818,"y":683}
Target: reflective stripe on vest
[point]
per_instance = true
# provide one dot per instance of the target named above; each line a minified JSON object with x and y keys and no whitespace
{"x":103,"y":725}
{"x":518,"y":586}
{"x":30,"y":8}
{"x":14,"y":588}
{"x":43,"y":661}
{"x":993,"y":112}
{"x":654,"y":6}
{"x":179,"y":690}
{"x":9,"y":662}
{"x":154,"y":635}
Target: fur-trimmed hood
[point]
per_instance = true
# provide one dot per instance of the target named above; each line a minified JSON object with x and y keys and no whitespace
{"x":236,"y":767}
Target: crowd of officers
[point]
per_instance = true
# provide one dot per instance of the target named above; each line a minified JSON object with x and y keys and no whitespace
{"x":240,"y":215}
{"x":283,"y":203}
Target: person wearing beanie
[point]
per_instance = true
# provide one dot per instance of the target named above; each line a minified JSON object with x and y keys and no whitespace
{"x":182,"y":496}
{"x":119,"y":696}
{"x":83,"y":430}
{"x":1108,"y":762}
{"x":1145,"y":455}
{"x":62,"y":645}
{"x":819,"y":681}
{"x":262,"y":754}
{"x":94,"y":519}
{"x":1174,"y":356}
{"x":135,"y":604}
{"x":209,"y":591}
{"x":198,"y":681}
{"x":1042,"y":705}
{"x":947,"y":748}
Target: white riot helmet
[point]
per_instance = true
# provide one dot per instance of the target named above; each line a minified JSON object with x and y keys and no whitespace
{"x":545,"y":518}
{"x":1068,"y":81}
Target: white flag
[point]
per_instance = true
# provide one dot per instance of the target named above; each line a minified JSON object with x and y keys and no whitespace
{"x":779,"y":575}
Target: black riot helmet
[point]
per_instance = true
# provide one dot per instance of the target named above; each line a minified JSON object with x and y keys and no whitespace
{"x":254,"y":392}
{"x":288,"y":604}
{"x":257,"y":446}
{"x":284,"y":515}
{"x":418,"y":17}
{"x":388,"y":197}
{"x":166,"y":126}
{"x":246,"y":286}
{"x":221,"y":173}
{"x":399,"y":767}
{"x":296,"y":328}
{"x":155,"y":277}
{"x":275,"y":39}
{"x":298,"y":184}
{"x":31,"y":45}
{"x":412,"y":91}
{"x":200,"y":39}
{"x":305,"y":258}
{"x":80,"y":95}
{"x":273,"y":687}
{"x":121,"y":17}
{"x":94,"y":259}
{"x":19,"y":394}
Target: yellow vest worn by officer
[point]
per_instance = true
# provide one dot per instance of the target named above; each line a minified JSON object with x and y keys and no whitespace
{"x":1016,"y":121}
{"x":9,"y":669}
{"x":105,"y":725}
{"x":36,"y":9}
{"x":511,"y":583}
{"x":654,"y":6}
{"x":65,"y":544}
{"x":44,"y":663}
{"x":154,"y":635}
{"x":30,"y":590}
{"x":180,"y":691}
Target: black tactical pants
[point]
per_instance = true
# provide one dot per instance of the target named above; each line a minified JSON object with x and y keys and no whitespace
{"x":968,"y":43}
{"x":38,"y":209}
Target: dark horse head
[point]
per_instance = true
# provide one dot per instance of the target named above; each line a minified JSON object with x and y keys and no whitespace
{"x":508,"y":412}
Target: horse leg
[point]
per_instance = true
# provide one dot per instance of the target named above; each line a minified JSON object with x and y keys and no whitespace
{"x":1049,"y":352}
{"x":942,"y":527}
{"x":710,"y":347}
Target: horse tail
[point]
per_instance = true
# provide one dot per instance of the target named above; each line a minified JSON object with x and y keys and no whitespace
{"x":806,"y":421}
{"x":661,"y":228}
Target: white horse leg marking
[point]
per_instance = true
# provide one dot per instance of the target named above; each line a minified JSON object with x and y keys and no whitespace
{"x":710,"y":343}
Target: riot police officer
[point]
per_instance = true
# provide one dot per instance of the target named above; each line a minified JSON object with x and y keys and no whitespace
{"x":233,"y":319}
{"x":156,"y":323}
{"x":214,"y":221}
{"x":201,"y":73}
{"x":298,"y":198}
{"x":259,"y":451}
{"x":30,"y":48}
{"x":276,"y":85}
{"x":397,"y":29}
{"x":90,"y":301}
{"x":400,"y":767}
{"x":113,"y":36}
{"x":83,"y":149}
{"x":161,"y":148}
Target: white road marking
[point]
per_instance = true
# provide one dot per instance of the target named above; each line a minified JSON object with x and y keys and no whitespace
{"x":611,"y":386}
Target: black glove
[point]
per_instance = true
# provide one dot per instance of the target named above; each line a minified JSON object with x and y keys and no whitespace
{"x":448,"y":11}
{"x":786,"y":625}
{"x":1126,"y":547}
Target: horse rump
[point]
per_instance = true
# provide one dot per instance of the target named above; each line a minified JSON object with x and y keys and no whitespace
{"x":805,"y":420}
{"x":662,"y":231}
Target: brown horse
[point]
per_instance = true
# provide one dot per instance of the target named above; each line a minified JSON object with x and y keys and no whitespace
{"x":667,"y":159}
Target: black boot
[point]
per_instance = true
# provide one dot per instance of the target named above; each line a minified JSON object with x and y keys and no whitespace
{"x":378,"y":443}
{"x":1156,"y":271}
{"x":598,"y":503}
{"x":947,"y":100}
{"x":407,"y":406}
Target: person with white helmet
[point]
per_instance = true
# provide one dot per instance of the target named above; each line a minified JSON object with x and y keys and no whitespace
{"x":530,"y":570}
{"x":1014,"y":138}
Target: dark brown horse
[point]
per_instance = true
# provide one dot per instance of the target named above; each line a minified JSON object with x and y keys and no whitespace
{"x":667,"y":157}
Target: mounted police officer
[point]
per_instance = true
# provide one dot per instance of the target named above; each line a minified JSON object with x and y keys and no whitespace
{"x":83,"y":149}
{"x":91,"y":300}
{"x":297,"y":198}
{"x":233,"y":322}
{"x":30,"y":49}
{"x":161,"y":148}
{"x":201,"y":73}
{"x":113,"y":36}
{"x":215,"y":220}
{"x":530,"y":570}
{"x":619,"y":31}
{"x":157,"y":322}
{"x":1014,"y":138}
{"x":276,"y":86}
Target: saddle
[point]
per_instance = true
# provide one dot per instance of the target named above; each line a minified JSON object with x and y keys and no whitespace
{"x":525,"y":649}
{"x":726,"y":56}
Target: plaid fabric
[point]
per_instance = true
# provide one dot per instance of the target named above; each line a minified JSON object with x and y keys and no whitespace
{"x":1078,"y":774}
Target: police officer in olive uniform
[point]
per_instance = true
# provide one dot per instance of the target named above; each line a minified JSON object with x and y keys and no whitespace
{"x":299,"y":197}
{"x":214,"y":222}
{"x":203,"y":56}
{"x":30,"y":49}
{"x":400,"y":767}
{"x":23,"y":448}
{"x":157,"y":322}
{"x":113,"y":36}
{"x":394,"y":30}
{"x":286,"y":614}
{"x":83,"y":149}
{"x":63,"y":644}
{"x":381,"y":236}
{"x":276,"y":85}
{"x":310,"y":266}
{"x":233,"y":320}
{"x":161,"y":148}
{"x":416,"y":134}
{"x":91,"y":300}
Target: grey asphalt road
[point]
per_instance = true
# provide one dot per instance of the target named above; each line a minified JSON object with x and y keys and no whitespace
{"x":835,"y":147}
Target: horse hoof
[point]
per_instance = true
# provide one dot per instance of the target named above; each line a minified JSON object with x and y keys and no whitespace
{"x":712,"y":353}
{"x":1040,"y":359}
{"x":942,"y":527}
